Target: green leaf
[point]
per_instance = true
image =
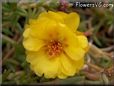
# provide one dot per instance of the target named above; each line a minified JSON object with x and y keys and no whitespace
{"x":7,"y":31}
{"x":5,"y":74}
{"x":19,"y":53}
{"x":21,"y":11}
{"x":104,"y":62}
{"x":71,"y":80}
{"x":97,"y":41}
{"x":6,"y":7}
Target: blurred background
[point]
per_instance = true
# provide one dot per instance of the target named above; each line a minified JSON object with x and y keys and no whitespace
{"x":97,"y":23}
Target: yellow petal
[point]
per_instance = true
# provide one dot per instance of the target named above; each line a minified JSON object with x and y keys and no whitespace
{"x":79,"y":33}
{"x":34,"y":68}
{"x":35,"y":28}
{"x":75,"y":53}
{"x":62,"y":14}
{"x":79,"y":64}
{"x":55,"y":16}
{"x":43,"y":64}
{"x":41,"y":29}
{"x":43,"y":14}
{"x":52,"y":30}
{"x":61,"y":75}
{"x":82,"y":41}
{"x":26,"y":33}
{"x":68,"y":67}
{"x":73,"y":48}
{"x":32,"y":21}
{"x":52,"y":16}
{"x":32,"y":44}
{"x":72,"y":21}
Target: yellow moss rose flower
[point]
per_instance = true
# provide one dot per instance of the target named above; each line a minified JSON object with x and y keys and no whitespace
{"x":53,"y":46}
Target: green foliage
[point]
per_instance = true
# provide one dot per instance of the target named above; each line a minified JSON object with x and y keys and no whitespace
{"x":105,"y":62}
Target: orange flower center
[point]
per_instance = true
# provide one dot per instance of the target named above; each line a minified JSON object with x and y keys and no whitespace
{"x":54,"y":48}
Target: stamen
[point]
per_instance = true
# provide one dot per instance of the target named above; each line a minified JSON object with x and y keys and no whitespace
{"x":54,"y":48}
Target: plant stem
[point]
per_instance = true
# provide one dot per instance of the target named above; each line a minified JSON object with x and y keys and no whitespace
{"x":8,"y":39}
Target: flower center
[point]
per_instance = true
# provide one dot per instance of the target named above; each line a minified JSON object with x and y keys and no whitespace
{"x":54,"y":48}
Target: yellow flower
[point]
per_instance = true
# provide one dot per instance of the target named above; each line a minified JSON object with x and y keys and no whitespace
{"x":54,"y":47}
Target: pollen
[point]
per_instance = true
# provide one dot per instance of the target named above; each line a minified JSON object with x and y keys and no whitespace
{"x":54,"y":48}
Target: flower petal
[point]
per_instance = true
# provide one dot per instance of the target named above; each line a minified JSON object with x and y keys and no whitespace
{"x":43,"y":14}
{"x":72,"y":21}
{"x":62,"y":14}
{"x":79,"y":64}
{"x":42,"y":64}
{"x":40,"y":30}
{"x":75,"y":53}
{"x":68,"y":67}
{"x":26,"y":33}
{"x":55,"y":16}
{"x":61,"y":75}
{"x":73,"y":48}
{"x":52,"y":16}
{"x":32,"y":44}
{"x":34,"y":68}
{"x":82,"y":41}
